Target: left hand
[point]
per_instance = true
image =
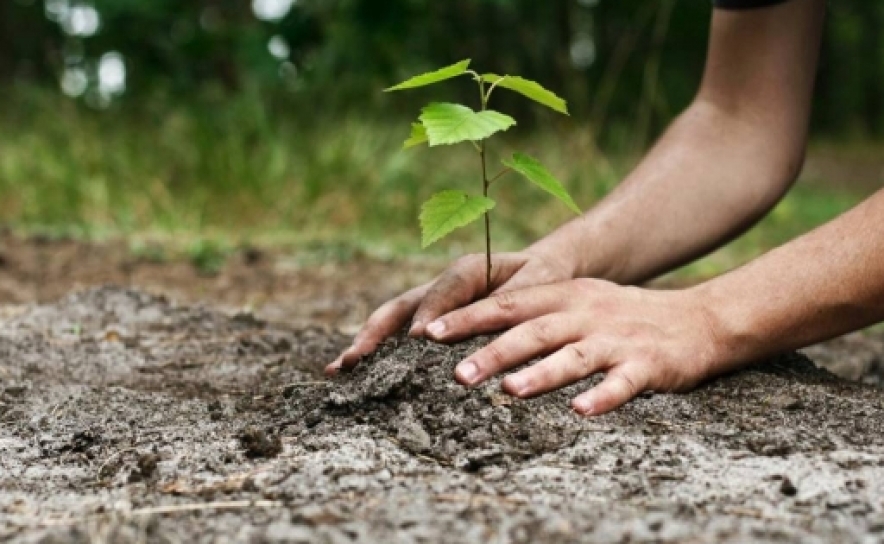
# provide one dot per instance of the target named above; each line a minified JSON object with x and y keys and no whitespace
{"x":641,"y":339}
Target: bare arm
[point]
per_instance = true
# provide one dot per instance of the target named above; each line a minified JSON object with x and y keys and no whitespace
{"x":823,"y":284}
{"x":722,"y":164}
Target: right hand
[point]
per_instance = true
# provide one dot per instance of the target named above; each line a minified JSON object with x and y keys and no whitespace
{"x":461,"y":284}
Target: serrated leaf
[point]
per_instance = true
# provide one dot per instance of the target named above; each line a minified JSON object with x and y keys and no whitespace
{"x":432,"y":77}
{"x":450,"y":210}
{"x":453,"y":123}
{"x":418,"y":136}
{"x":540,"y":176}
{"x":529,"y":89}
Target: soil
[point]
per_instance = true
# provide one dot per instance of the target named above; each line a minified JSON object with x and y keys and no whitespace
{"x":128,"y":416}
{"x":333,"y":289}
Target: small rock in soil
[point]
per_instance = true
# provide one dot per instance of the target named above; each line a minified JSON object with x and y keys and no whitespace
{"x":787,"y":488}
{"x":147,"y":464}
{"x":411,"y":434}
{"x":785,"y":402}
{"x":257,"y":444}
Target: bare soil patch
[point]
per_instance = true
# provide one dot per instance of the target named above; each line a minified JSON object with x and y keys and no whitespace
{"x":333,"y":291}
{"x":126,"y":417}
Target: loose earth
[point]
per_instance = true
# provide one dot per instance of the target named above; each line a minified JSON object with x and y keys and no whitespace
{"x":129,"y":418}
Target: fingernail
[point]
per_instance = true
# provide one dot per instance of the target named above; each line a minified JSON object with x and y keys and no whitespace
{"x":467,"y":371}
{"x":516,"y":384}
{"x":583,"y":406}
{"x":436,"y":328}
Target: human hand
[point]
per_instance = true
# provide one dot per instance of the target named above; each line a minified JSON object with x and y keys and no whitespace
{"x":462,"y":283}
{"x":641,"y":339}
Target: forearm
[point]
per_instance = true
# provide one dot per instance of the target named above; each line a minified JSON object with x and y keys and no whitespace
{"x":721,"y":165}
{"x":819,"y":286}
{"x":710,"y":177}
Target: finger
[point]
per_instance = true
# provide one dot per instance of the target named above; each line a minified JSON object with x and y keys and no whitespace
{"x":499,"y":311}
{"x":570,"y":364}
{"x":531,"y":275}
{"x":460,"y":285}
{"x":383,"y":323}
{"x":622,"y":384}
{"x":521,"y":344}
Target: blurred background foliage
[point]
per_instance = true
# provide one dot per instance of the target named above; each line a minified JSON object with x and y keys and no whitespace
{"x":263,"y":118}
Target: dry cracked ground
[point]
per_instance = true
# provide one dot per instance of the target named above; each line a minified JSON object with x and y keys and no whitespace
{"x":126,"y":416}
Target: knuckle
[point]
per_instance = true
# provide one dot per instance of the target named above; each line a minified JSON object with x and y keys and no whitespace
{"x":627,"y":384}
{"x":463,"y":318}
{"x":592,"y":284}
{"x":375,"y":320}
{"x":606,"y":346}
{"x":585,"y":284}
{"x":493,"y":357}
{"x":398,"y":306}
{"x":539,"y":330}
{"x":467,"y":261}
{"x":505,"y":301}
{"x":390,"y":310}
{"x":631,"y":333}
{"x":580,"y":355}
{"x":446,"y":282}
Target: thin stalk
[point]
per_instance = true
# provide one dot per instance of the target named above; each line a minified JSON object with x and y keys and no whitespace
{"x":485,"y":185}
{"x":499,"y":175}
{"x":491,"y":89}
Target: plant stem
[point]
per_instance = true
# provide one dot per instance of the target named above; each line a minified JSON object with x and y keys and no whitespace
{"x":499,"y":175}
{"x":485,"y":185}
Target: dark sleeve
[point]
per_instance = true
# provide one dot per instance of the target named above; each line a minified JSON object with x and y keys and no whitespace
{"x":745,"y":4}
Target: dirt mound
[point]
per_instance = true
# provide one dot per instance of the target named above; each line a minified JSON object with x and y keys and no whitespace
{"x":406,"y":390}
{"x":126,"y":417}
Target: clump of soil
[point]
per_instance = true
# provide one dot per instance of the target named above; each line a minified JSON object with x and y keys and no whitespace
{"x":257,"y":443}
{"x":406,"y":389}
{"x":125,"y":417}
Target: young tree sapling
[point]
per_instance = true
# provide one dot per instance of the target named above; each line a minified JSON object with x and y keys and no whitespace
{"x":443,"y":123}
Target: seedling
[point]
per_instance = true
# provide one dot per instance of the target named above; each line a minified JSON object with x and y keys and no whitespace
{"x":442,"y":123}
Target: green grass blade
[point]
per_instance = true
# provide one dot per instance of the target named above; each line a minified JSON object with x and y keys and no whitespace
{"x":453,"y":123}
{"x":432,"y":77}
{"x":540,"y":176}
{"x":529,"y":89}
{"x":418,"y":136}
{"x":450,"y":210}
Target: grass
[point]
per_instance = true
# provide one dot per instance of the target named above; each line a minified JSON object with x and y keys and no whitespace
{"x":221,"y":173}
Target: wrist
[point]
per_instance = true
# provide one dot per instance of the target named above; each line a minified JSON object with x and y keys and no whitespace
{"x":736,"y":330}
{"x":562,"y":263}
{"x":582,"y":250}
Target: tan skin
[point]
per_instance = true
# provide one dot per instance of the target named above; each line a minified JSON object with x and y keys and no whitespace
{"x":720,"y":167}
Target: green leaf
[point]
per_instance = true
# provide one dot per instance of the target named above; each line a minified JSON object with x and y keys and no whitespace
{"x":540,"y":176}
{"x":450,"y":210}
{"x":530,"y":89}
{"x":418,"y":136}
{"x":432,"y":77}
{"x":452,"y":123}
